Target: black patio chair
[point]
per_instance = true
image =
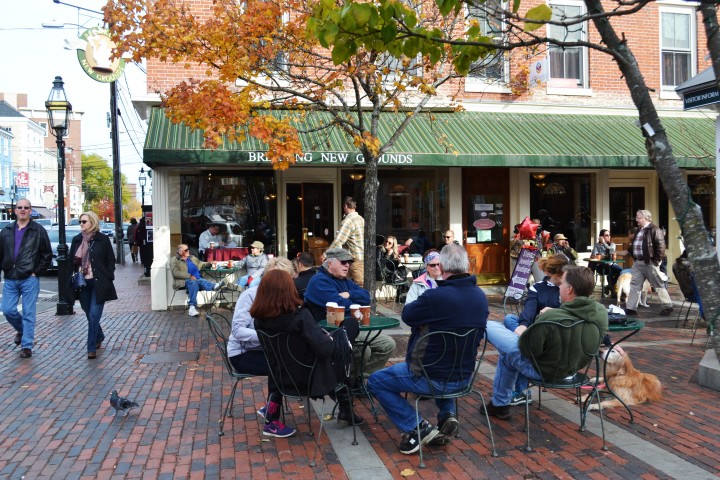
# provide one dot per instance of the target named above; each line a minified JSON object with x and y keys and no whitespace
{"x":393,"y":279}
{"x":294,"y":378}
{"x":218,"y":324}
{"x":561,"y":337}
{"x":459,"y":346}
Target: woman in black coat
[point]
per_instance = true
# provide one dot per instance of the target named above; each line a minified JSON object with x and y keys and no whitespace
{"x":277,"y":309}
{"x":92,"y":253}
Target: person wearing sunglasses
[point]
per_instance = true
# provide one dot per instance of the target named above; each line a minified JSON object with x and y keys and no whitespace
{"x":25,"y":253}
{"x":450,"y":238}
{"x":92,"y":253}
{"x":185,"y":270}
{"x":427,"y":280}
{"x":605,"y":248}
{"x":331,"y":284}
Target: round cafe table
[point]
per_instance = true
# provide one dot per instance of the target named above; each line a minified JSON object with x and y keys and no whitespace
{"x":378,"y":323}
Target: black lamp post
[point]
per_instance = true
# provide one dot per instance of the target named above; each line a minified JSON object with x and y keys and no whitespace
{"x":59,"y":109}
{"x":142,"y":179}
{"x":13,"y":193}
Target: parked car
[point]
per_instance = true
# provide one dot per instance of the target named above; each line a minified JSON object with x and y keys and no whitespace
{"x":45,"y":222}
{"x":3,"y":223}
{"x":54,"y":234}
{"x":74,"y":221}
{"x":108,"y":229}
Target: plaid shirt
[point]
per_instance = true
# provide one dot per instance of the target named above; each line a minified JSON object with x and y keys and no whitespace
{"x":352,"y":231}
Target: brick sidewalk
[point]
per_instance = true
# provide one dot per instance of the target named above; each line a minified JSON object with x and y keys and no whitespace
{"x":55,"y":418}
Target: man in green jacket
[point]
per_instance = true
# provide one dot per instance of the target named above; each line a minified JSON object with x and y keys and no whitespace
{"x":575,"y":289}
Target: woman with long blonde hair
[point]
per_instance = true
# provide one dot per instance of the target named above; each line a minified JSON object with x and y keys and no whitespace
{"x":92,"y":254}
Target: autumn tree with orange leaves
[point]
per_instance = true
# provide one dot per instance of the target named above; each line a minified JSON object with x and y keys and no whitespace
{"x":261,"y":56}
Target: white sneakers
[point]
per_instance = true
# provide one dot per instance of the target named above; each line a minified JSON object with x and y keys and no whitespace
{"x":192,"y":311}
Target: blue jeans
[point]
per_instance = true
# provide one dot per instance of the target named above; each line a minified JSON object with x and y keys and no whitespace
{"x":510,"y":363}
{"x":195,"y":286}
{"x":511,"y":322}
{"x":243,"y":281}
{"x":387,"y":384}
{"x":93,"y":311}
{"x":28,"y":289}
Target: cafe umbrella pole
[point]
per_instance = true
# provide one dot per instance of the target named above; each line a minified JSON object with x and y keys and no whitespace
{"x":59,"y":109}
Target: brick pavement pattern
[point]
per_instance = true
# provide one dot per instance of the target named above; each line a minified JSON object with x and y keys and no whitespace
{"x":55,"y":416}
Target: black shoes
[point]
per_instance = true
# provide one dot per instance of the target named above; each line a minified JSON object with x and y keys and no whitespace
{"x":609,"y":291}
{"x":630,"y":312}
{"x":501,"y":412}
{"x":666,"y":311}
{"x":92,"y":355}
{"x":347,"y":417}
{"x":410,"y":443}
{"x":25,"y":353}
{"x":18,"y":338}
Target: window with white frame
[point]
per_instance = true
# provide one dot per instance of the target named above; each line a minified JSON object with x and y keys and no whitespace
{"x":568,"y":65}
{"x":492,"y":68}
{"x":677,"y":45}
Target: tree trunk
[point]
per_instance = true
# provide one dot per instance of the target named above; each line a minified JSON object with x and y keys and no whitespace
{"x":371,"y":188}
{"x":712,"y":32}
{"x":696,"y":237}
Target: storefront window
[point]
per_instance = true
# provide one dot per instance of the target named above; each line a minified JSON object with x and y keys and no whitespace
{"x":563,"y":203}
{"x":624,"y":203}
{"x":244,"y":205}
{"x":411,"y":203}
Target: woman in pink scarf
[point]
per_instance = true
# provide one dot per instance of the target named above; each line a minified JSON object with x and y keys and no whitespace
{"x":92,"y":253}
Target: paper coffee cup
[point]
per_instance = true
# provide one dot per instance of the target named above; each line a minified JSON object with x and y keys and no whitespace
{"x":212,"y":244}
{"x":365,"y":310}
{"x":355,"y":312}
{"x":339,"y":315}
{"x":598,"y":257}
{"x":330,"y":312}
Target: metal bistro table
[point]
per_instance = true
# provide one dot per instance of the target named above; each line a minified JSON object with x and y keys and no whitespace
{"x":602,"y":276}
{"x":377,"y":324}
{"x":218,"y":274}
{"x":632,"y":327}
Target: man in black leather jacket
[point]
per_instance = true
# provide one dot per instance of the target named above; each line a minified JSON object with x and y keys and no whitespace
{"x":25,"y":253}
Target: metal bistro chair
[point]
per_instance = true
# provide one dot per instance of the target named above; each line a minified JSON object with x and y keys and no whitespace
{"x":216,"y":329}
{"x":294,"y":377}
{"x":461,"y":347}
{"x":393,"y":279}
{"x":176,"y":290}
{"x":701,"y":312}
{"x":684,"y":277}
{"x":560,"y":338}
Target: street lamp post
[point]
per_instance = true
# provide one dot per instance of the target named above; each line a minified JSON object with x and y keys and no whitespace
{"x":59,"y":109}
{"x":142,"y":179}
{"x":13,"y":193}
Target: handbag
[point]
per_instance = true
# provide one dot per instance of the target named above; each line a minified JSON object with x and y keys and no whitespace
{"x":78,"y":280}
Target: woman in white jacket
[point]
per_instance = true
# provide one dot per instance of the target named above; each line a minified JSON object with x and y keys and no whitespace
{"x":428,"y":280}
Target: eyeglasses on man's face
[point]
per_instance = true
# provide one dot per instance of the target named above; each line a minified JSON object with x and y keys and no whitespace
{"x":448,"y":236}
{"x":22,"y":207}
{"x":346,"y":262}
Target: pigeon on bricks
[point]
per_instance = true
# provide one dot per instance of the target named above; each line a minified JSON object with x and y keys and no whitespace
{"x":120,"y":403}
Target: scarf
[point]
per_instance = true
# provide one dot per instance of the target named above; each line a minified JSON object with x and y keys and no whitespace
{"x":83,"y":254}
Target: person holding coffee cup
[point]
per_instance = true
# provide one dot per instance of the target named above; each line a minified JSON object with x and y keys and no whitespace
{"x":605,"y":249}
{"x":332,"y":284}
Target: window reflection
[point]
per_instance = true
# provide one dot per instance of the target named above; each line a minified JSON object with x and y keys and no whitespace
{"x":243,"y":205}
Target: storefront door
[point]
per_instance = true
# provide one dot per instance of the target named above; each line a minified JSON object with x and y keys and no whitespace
{"x":309,"y":208}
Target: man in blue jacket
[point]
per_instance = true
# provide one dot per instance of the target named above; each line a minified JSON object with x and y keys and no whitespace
{"x":457,"y":305}
{"x":331,"y":284}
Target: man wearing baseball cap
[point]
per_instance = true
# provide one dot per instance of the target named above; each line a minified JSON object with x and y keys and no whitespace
{"x":254,"y":265}
{"x":561,"y":246}
{"x":331,"y":284}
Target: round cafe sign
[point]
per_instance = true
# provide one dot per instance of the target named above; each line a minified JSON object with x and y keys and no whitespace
{"x":94,"y":51}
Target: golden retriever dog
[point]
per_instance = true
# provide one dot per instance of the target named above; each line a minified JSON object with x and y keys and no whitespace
{"x":628,"y":383}
{"x":623,"y":287}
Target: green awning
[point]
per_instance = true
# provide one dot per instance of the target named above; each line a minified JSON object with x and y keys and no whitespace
{"x":458,"y":139}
